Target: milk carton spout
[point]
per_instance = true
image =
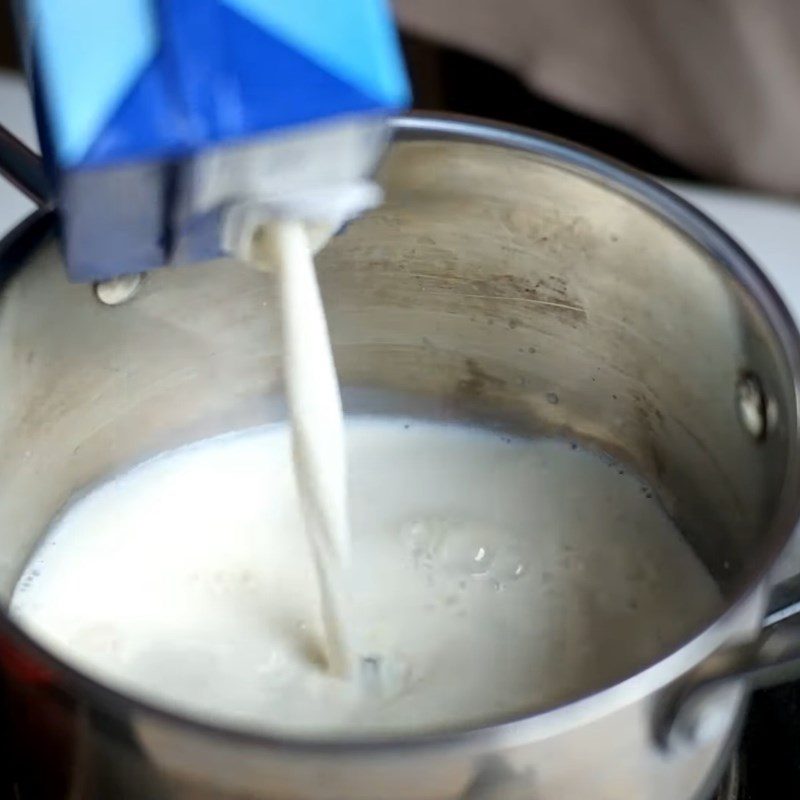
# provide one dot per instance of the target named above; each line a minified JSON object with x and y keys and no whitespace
{"x":171,"y":127}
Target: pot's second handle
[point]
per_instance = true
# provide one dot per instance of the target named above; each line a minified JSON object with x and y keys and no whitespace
{"x":773,"y":658}
{"x":23,"y":168}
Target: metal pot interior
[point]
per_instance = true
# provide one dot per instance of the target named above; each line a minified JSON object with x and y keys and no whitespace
{"x":495,"y":284}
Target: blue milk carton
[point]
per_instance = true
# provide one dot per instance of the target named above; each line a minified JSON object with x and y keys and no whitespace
{"x":170,"y":126}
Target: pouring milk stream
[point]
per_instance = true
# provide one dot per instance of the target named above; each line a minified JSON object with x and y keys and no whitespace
{"x":318,"y":445}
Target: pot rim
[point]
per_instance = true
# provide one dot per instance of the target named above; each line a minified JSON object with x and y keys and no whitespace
{"x":685,"y":219}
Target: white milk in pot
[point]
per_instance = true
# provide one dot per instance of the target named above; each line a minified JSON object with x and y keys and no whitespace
{"x":447,"y":576}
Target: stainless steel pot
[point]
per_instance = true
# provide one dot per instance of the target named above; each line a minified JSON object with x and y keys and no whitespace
{"x":508,"y":277}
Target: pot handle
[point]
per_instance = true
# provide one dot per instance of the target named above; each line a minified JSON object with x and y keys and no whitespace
{"x":23,"y":168}
{"x":691,"y":714}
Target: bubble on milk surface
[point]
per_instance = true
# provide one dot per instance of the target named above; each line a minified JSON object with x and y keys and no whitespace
{"x":464,"y":548}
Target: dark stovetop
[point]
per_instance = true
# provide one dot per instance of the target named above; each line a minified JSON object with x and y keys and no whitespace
{"x":769,"y":756}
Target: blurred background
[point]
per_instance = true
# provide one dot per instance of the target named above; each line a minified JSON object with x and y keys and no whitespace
{"x":684,"y":88}
{"x":703,"y":90}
